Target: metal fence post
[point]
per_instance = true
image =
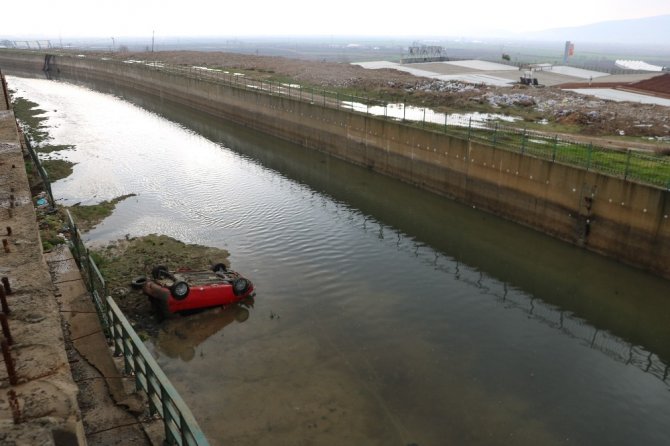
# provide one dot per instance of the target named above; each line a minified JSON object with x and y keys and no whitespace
{"x":469,"y":127}
{"x":404,"y":107}
{"x":115,"y":332}
{"x":151,"y":390}
{"x":523,"y":141}
{"x":495,"y":134}
{"x":424,"y":118}
{"x":167,"y":416}
{"x":553,"y":155}
{"x":588,"y":158}
{"x":625,"y":174}
{"x":124,"y":349}
{"x":89,"y":271}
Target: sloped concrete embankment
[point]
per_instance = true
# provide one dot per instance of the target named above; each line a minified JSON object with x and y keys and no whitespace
{"x":621,"y":219}
{"x":62,"y":386}
{"x":38,"y":397}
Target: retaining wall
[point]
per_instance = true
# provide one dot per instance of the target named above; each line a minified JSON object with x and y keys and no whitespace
{"x":621,"y":219}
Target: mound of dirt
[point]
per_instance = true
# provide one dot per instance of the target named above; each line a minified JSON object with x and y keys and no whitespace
{"x":122,"y":261}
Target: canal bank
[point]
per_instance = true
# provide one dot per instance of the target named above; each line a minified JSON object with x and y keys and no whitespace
{"x":619,"y":218}
{"x":382,"y":310}
{"x":58,"y":383}
{"x":38,"y":397}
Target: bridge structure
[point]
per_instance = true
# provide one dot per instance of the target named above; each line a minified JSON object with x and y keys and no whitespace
{"x":38,"y":44}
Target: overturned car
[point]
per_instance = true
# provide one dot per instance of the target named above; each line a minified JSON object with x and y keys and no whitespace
{"x":183,"y":289}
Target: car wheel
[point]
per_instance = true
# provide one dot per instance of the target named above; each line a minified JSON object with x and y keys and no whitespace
{"x":180,"y":290}
{"x":220,"y":267}
{"x":160,"y":271}
{"x":138,"y":282}
{"x":240,"y":286}
{"x":242,"y":315}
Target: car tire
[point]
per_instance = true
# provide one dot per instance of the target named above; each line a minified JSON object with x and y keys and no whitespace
{"x":242,"y":315}
{"x":240,"y":286}
{"x":220,"y":267}
{"x":180,"y":290}
{"x":160,"y":271}
{"x":138,"y":282}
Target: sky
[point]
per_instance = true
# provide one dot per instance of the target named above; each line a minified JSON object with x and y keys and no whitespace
{"x":121,"y":18}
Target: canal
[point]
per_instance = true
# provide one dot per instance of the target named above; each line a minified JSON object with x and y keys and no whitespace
{"x":385,"y":315}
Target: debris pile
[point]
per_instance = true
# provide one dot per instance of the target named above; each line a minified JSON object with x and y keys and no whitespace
{"x":439,"y":86}
{"x":507,"y":100}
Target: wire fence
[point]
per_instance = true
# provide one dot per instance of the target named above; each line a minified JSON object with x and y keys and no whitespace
{"x":632,"y":164}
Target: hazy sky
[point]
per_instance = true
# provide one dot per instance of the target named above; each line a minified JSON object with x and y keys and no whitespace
{"x":118,"y":18}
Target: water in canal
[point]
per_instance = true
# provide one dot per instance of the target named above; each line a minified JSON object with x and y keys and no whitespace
{"x":385,"y":315}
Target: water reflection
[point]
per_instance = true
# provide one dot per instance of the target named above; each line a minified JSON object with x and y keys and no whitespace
{"x":179,"y":337}
{"x":404,"y":112}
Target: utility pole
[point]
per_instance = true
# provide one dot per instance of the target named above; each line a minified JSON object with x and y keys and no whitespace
{"x":153,"y":34}
{"x":113,"y":44}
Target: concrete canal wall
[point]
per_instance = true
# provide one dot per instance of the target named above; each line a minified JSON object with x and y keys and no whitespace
{"x":38,"y":396}
{"x":621,"y":219}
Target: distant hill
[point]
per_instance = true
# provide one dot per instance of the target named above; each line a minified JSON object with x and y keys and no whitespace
{"x":648,"y":30}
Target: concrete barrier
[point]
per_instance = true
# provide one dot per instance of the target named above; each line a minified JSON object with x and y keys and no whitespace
{"x":618,"y":218}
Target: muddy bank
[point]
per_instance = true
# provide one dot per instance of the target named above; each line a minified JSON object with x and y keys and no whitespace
{"x":122,"y":261}
{"x":89,"y":216}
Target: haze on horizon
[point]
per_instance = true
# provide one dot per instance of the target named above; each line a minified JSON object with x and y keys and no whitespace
{"x":196,"y":18}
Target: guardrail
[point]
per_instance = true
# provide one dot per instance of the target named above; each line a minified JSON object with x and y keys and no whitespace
{"x":181,"y":428}
{"x":40,"y":169}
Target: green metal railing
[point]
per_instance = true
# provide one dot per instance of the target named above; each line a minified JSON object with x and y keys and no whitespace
{"x":180,"y":426}
{"x":44,"y":176}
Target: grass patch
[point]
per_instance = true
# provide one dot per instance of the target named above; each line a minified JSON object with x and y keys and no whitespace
{"x":644,"y":167}
{"x":88,"y":217}
{"x":51,"y":148}
{"x":31,"y":116}
{"x":123,"y":260}
{"x":51,"y":224}
{"x":57,"y":169}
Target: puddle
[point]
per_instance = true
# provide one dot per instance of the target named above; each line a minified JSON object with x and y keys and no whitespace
{"x":419,"y":114}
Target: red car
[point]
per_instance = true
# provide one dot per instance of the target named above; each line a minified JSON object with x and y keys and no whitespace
{"x":192,"y":290}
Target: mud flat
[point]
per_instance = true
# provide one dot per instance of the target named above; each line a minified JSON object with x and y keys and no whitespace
{"x":121,"y":261}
